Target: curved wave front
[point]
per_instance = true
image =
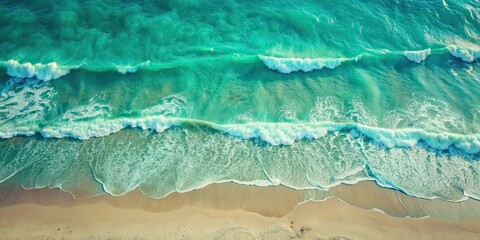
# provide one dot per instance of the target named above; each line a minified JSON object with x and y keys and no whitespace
{"x":285,"y":65}
{"x":274,"y":134}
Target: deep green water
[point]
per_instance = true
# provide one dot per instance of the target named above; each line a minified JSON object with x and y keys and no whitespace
{"x":107,"y":96}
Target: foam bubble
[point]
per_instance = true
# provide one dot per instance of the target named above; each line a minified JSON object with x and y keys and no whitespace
{"x":45,"y":72}
{"x":417,"y":56}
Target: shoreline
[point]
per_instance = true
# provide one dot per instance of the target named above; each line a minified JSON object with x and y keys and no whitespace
{"x":228,"y":210}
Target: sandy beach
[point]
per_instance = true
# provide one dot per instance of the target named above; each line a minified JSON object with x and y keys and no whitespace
{"x":232,"y":211}
{"x":231,"y":119}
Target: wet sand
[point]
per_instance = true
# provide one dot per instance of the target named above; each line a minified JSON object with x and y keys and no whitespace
{"x":232,"y":211}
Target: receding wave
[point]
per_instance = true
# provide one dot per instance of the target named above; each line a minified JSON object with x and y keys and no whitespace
{"x":159,"y":164}
{"x":337,"y":144}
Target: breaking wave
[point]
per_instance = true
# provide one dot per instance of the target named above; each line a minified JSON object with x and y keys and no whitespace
{"x":272,"y":133}
{"x":288,"y":65}
{"x":467,"y":54}
{"x":45,"y":72}
{"x":54,"y":70}
{"x":417,"y":56}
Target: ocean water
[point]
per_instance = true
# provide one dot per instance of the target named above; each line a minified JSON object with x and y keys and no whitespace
{"x":108,"y":96}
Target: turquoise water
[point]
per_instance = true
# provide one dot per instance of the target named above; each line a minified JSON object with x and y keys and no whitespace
{"x":108,"y":96}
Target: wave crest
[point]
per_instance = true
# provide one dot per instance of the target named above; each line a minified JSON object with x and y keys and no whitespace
{"x":275,"y":134}
{"x":417,"y":56}
{"x":45,"y":72}
{"x":288,"y":65}
{"x":124,"y":69}
{"x":467,"y":54}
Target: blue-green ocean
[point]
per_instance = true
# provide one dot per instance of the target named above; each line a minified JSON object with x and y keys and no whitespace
{"x":106,"y":96}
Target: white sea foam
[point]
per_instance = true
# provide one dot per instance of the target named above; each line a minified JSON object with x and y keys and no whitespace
{"x":25,"y":100}
{"x":429,"y":114}
{"x":27,"y":132}
{"x":172,"y":105}
{"x":45,"y":72}
{"x":406,"y":128}
{"x":95,"y":108}
{"x":105,"y":127}
{"x":331,"y":160}
{"x":288,"y":65}
{"x":334,"y":110}
{"x":287,"y":133}
{"x":411,"y":137}
{"x":289,"y":113}
{"x":476,"y":119}
{"x":417,"y":56}
{"x":124,"y":69}
{"x":159,"y":118}
{"x":275,"y":133}
{"x":467,"y":54}
{"x":272,"y":133}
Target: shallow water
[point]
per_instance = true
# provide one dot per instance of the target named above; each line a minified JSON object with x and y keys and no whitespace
{"x":108,"y":96}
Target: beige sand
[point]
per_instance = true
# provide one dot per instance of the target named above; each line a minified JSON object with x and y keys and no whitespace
{"x":231,"y":211}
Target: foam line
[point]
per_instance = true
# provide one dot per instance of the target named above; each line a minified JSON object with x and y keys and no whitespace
{"x":45,"y":72}
{"x":417,"y":56}
{"x":272,"y":133}
{"x":288,"y":65}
